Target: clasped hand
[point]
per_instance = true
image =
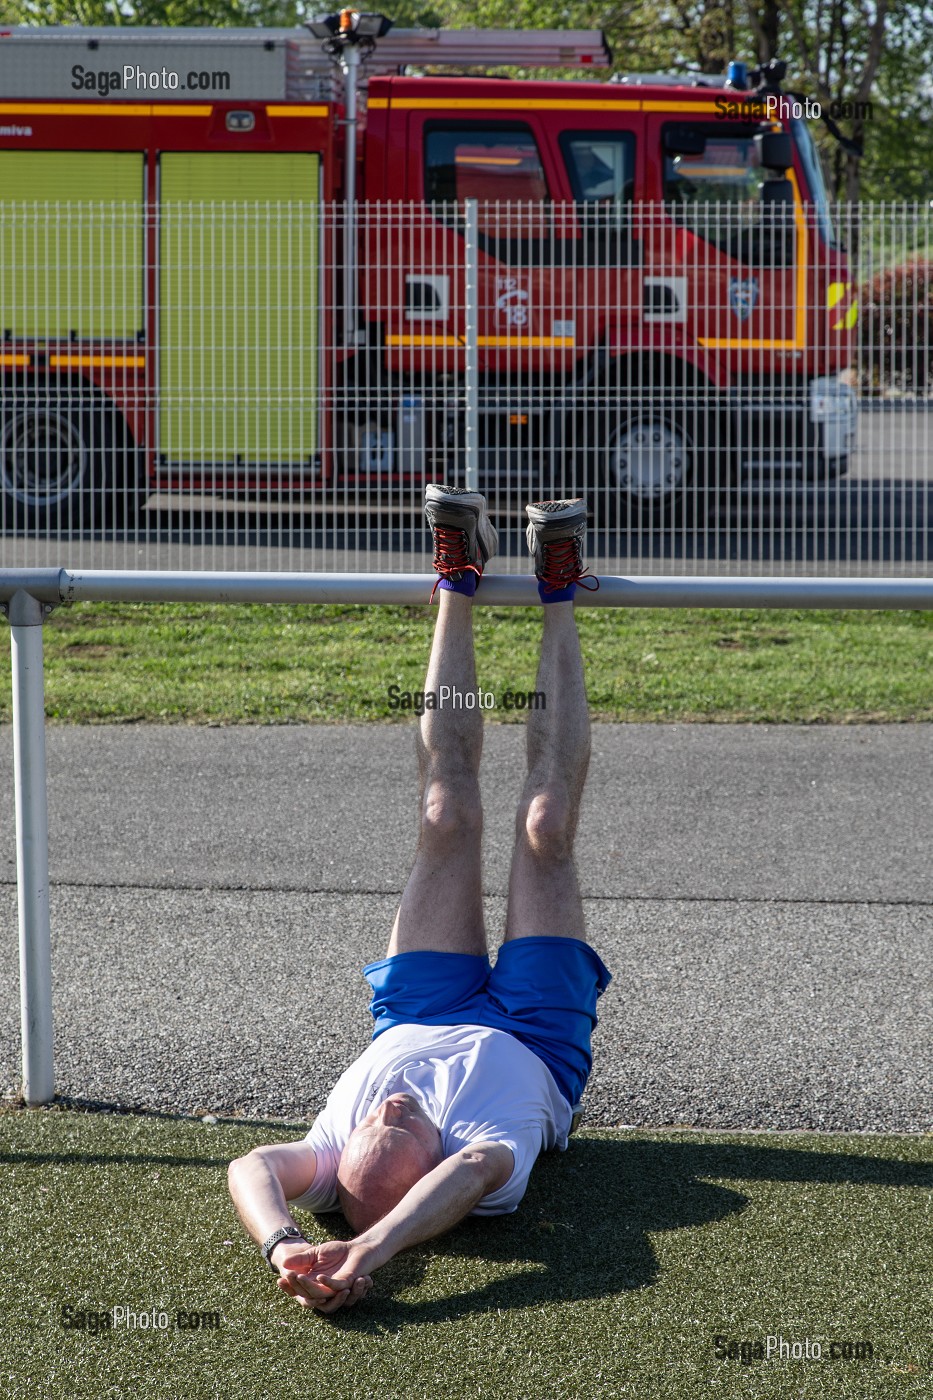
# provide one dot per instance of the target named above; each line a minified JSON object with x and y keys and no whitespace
{"x":324,"y":1276}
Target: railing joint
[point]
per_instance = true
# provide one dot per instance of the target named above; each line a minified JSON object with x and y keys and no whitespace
{"x":22,"y":609}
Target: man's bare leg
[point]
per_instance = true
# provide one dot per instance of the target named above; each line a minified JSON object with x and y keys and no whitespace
{"x":544,"y":895}
{"x":442,"y":905}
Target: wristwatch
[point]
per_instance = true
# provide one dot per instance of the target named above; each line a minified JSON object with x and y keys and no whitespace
{"x":288,"y":1232}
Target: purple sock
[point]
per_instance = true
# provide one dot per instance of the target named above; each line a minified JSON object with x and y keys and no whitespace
{"x":466,"y":585}
{"x":556,"y":595}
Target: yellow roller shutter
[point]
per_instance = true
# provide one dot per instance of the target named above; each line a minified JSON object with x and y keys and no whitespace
{"x":71,"y":244}
{"x":238,"y":308}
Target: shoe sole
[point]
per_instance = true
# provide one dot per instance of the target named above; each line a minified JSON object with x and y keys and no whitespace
{"x":551,"y":524}
{"x":446,"y":507}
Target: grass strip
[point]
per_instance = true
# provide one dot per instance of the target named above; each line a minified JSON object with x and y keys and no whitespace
{"x":631,"y":1253}
{"x":230,"y":664}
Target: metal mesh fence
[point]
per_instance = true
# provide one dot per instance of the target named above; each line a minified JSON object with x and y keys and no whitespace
{"x":211,"y":383}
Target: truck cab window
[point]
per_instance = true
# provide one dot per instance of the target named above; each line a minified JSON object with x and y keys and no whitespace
{"x":484,"y":163}
{"x":600,"y":165}
{"x":715,"y":186}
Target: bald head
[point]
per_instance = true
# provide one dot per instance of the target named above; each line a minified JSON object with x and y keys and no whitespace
{"x":392,"y":1149}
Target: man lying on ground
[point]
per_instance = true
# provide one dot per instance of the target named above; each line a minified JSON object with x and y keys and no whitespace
{"x":472,"y":1070}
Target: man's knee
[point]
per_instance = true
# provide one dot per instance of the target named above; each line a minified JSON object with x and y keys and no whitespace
{"x":451,"y":812}
{"x":548,"y":822}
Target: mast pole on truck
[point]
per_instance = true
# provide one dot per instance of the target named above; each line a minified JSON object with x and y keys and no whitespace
{"x":348,"y":39}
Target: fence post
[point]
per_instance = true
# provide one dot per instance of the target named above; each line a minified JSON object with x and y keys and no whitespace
{"x":26,"y":616}
{"x":471,"y":376}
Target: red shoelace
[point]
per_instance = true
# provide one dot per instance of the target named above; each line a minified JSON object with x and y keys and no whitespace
{"x":562,"y":568}
{"x":450,"y":554}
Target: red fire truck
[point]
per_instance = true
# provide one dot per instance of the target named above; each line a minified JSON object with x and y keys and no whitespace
{"x":290,"y":267}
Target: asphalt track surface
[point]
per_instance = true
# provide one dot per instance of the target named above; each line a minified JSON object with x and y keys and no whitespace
{"x":763,"y":895}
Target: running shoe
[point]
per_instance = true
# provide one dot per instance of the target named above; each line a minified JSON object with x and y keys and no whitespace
{"x":464,"y":537}
{"x":556,"y":534}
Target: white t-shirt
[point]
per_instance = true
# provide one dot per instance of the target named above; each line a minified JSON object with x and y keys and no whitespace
{"x":474,"y":1083}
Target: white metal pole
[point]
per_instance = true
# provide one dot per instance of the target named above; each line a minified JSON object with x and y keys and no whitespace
{"x":649,"y":591}
{"x":26,"y":615}
{"x":471,"y":330}
{"x":350,"y":62}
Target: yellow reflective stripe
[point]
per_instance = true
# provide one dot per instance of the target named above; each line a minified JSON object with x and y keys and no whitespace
{"x":298,"y":111}
{"x":377,"y":102}
{"x":15,"y":361}
{"x":97,"y":361}
{"x":410,"y":342}
{"x":846,"y":322}
{"x":508,"y":342}
{"x":706,"y":106}
{"x":171,"y":109}
{"x":101,"y":109}
{"x":750,"y":344}
{"x":73,"y":109}
{"x":834,"y":293}
{"x":528,"y":342}
{"x":544,"y":104}
{"x":509,"y":104}
{"x":802,"y":256}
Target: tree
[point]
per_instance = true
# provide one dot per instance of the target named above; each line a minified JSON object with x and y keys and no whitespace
{"x":862,"y":59}
{"x":899,"y":150}
{"x":215,"y":13}
{"x":765,"y":22}
{"x":838,"y":47}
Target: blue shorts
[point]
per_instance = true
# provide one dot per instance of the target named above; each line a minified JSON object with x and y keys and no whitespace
{"x":541,"y":990}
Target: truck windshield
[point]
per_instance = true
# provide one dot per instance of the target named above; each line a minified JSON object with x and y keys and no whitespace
{"x":813,"y":169}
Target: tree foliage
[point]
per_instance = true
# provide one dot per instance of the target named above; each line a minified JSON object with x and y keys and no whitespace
{"x":869,"y":52}
{"x":222,"y":14}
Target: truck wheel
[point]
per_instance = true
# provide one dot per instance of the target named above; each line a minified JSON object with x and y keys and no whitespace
{"x":648,"y":461}
{"x":53,"y":448}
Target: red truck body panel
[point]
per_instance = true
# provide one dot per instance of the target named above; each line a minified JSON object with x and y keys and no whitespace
{"x":558,"y":288}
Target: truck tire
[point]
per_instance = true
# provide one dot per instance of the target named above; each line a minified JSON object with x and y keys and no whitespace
{"x":54,"y":449}
{"x":648,"y":451}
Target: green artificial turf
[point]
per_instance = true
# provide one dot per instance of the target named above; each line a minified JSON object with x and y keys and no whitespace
{"x":630,"y":1253}
{"x":232,"y":664}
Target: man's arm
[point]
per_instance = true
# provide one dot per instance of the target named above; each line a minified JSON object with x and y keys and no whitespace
{"x":261,"y":1184}
{"x":439,"y":1201}
{"x":434,"y":1205}
{"x":264,"y":1180}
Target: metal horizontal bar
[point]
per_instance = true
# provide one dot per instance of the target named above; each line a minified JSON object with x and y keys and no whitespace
{"x":397,"y":501}
{"x":105,"y":585}
{"x":44,"y":584}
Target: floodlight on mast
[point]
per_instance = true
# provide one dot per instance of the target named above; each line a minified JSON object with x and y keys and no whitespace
{"x":349,"y":38}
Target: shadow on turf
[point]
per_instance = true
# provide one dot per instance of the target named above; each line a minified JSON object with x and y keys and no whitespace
{"x":582,"y":1229}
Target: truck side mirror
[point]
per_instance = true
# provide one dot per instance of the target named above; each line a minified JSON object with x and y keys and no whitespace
{"x":776,"y":150}
{"x":775,"y":193}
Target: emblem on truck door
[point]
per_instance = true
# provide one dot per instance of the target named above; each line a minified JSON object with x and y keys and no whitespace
{"x":743,"y":296}
{"x":512,"y":302}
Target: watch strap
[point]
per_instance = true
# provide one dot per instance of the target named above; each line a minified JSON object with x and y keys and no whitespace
{"x":288,"y":1232}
